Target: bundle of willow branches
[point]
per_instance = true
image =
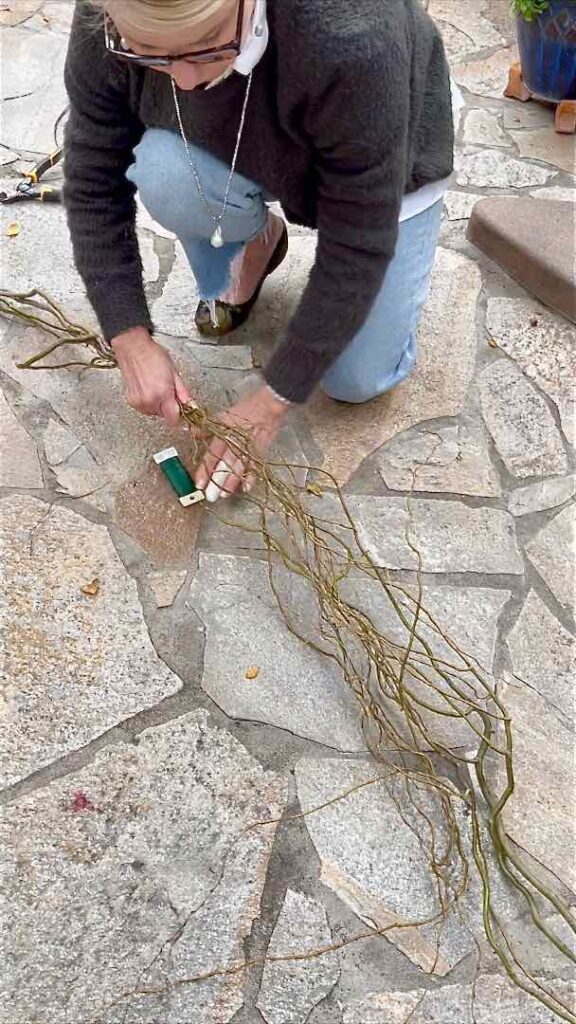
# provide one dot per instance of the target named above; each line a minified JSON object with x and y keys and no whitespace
{"x":407,"y":693}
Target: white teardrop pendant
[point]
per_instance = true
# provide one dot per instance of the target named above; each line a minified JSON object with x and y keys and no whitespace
{"x":217,"y":240}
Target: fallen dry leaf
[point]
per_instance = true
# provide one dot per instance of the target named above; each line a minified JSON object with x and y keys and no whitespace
{"x":253,"y":672}
{"x":13,"y":230}
{"x":91,"y":589}
{"x":315,"y":489}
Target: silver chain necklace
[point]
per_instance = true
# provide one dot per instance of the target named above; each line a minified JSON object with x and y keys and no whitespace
{"x":217,"y":239}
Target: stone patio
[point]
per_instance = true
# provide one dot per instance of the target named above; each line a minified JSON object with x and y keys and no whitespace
{"x":137,"y":750}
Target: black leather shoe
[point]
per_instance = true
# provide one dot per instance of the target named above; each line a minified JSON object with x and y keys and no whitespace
{"x":229,"y":316}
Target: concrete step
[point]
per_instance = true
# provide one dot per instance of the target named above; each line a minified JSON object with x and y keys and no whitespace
{"x":533,"y":240}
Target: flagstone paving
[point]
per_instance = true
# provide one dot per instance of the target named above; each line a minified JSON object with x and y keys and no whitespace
{"x":155,"y":705}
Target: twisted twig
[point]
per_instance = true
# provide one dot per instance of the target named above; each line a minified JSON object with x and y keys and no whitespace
{"x":403,"y":691}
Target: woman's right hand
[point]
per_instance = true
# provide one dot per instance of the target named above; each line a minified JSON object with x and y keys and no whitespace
{"x":151,"y":384}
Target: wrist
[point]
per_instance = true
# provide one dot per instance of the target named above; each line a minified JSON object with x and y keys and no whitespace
{"x":276,"y":401}
{"x":276,"y":405}
{"x":134,"y":338}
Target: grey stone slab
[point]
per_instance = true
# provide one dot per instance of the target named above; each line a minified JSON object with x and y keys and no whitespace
{"x":297,"y":688}
{"x":542,"y":495}
{"x":549,"y":147}
{"x":81,"y":477}
{"x":288,"y":459}
{"x":138,"y":871}
{"x":464,"y":618}
{"x":553,"y":552}
{"x":535,"y":950}
{"x":32,"y":88}
{"x":493,"y":1000}
{"x":540,"y":814}
{"x":457,"y":626}
{"x":447,"y":339}
{"x":222,"y":357}
{"x":491,"y":168}
{"x":290,"y":991}
{"x":173,"y":312}
{"x":165,"y":586}
{"x":76,"y":665}
{"x":55,"y":17}
{"x":384,"y":1007}
{"x":482,"y":128}
{"x":557,"y":193}
{"x":59,"y":443}
{"x":7,"y":156}
{"x":372,"y":858}
{"x":459,"y":205}
{"x":520,"y":422}
{"x":477,"y":30}
{"x":93,"y":406}
{"x":457,"y":44}
{"x":544,"y":655}
{"x":150,"y":261}
{"x":543,"y":345}
{"x":486,"y":76}
{"x":453,"y":458}
{"x":41,"y":255}
{"x":449,"y":536}
{"x":16,"y":12}
{"x":19,"y":462}
{"x":528,"y":115}
{"x":148,"y":511}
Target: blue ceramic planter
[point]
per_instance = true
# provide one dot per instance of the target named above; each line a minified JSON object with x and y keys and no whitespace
{"x":548,"y":51}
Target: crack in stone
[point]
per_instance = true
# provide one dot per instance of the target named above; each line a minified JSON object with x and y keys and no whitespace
{"x":34,"y":529}
{"x":18,"y":96}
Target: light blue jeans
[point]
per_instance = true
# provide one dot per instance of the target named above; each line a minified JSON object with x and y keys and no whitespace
{"x":383,"y":352}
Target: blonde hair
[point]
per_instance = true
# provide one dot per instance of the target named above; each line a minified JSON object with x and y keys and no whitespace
{"x":158,"y":15}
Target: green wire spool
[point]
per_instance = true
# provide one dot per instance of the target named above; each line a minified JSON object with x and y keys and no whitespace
{"x":178,"y":477}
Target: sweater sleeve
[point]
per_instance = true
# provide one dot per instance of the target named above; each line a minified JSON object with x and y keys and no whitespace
{"x":358,"y":128}
{"x":100,"y":137}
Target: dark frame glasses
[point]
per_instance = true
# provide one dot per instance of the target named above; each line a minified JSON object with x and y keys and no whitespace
{"x":209,"y":56}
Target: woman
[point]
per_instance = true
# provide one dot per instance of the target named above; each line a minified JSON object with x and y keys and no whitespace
{"x":339,"y":109}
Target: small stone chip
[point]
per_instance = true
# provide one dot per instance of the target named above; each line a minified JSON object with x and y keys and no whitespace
{"x":252,"y":673}
{"x":92,"y":589}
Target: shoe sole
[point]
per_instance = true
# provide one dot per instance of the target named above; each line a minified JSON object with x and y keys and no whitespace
{"x":231,"y":317}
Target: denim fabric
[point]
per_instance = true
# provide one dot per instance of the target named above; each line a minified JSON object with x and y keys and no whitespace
{"x":383,"y":352}
{"x":167,"y":189}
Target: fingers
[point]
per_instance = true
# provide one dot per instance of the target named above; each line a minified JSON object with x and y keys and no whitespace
{"x":220,"y":473}
{"x":182,"y":393}
{"x":226,"y":478}
{"x":211,"y":459}
{"x":169,"y":410}
{"x":248,"y":483}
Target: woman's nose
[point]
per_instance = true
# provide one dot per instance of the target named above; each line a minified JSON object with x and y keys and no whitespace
{"x":187,"y":76}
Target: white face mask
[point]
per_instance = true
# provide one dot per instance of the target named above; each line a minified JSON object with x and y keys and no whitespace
{"x":253,"y":46}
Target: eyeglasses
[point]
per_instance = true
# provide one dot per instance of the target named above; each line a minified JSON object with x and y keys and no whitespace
{"x":210,"y":56}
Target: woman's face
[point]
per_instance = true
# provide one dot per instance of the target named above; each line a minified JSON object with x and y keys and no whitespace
{"x":217,"y":30}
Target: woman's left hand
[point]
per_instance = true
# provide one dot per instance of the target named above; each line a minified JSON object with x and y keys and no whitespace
{"x":221,"y":473}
